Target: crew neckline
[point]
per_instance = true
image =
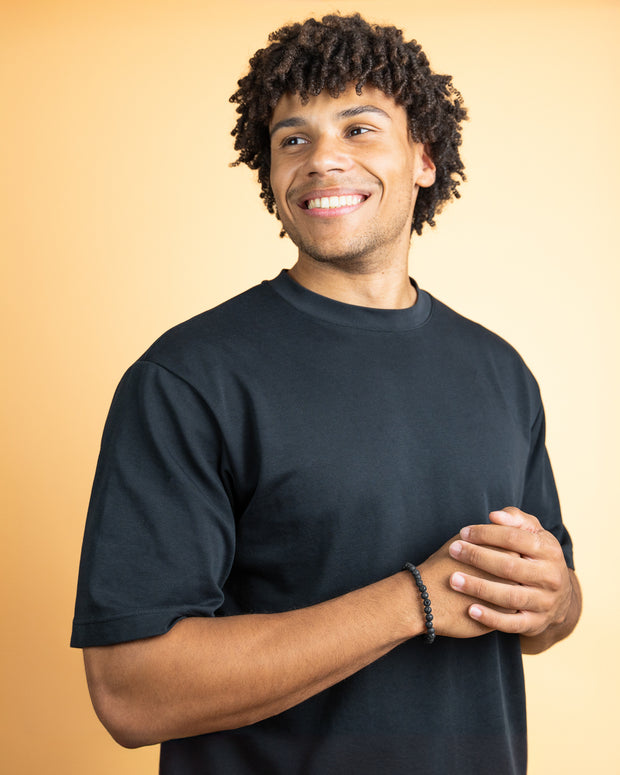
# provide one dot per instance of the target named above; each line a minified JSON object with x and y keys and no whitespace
{"x":339,"y":313}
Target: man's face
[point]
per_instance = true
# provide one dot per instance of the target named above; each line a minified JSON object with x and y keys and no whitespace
{"x":345,"y":175}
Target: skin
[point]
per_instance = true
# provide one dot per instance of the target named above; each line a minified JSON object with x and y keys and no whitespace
{"x":353,"y":145}
{"x":211,"y":674}
{"x":545,"y":597}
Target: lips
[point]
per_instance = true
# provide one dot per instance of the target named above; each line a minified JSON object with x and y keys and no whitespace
{"x":332,"y":202}
{"x":326,"y":200}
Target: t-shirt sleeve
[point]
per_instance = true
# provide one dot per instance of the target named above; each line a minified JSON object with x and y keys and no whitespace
{"x":160,"y":532}
{"x":540,"y":493}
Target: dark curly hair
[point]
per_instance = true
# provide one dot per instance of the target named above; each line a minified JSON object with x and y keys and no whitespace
{"x":330,"y":54}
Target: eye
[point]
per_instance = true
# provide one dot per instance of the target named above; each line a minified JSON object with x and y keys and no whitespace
{"x":295,"y":140}
{"x":358,"y":130}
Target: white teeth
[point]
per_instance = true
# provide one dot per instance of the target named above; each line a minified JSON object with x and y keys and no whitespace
{"x":327,"y":202}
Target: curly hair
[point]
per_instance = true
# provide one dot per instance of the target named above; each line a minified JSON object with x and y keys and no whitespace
{"x":332,"y":53}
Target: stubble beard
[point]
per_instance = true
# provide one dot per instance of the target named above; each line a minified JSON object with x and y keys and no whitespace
{"x":354,"y":257}
{"x":360,"y":255}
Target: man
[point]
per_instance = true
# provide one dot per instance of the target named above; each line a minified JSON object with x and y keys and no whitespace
{"x":269,"y":467}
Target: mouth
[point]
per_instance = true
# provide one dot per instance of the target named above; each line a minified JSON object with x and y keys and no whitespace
{"x":327,"y":204}
{"x":333,"y":202}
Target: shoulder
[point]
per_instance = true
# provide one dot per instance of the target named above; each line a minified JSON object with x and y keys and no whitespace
{"x":211,"y":325}
{"x":221,"y":335}
{"x":493,"y":358}
{"x":480,"y":341}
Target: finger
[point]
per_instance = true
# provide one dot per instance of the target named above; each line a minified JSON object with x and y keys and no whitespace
{"x":522,"y":622}
{"x":511,"y":539}
{"x":510,"y":516}
{"x":501,"y":564}
{"x":511,"y":597}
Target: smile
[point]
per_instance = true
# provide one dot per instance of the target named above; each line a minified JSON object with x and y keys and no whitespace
{"x":334,"y":202}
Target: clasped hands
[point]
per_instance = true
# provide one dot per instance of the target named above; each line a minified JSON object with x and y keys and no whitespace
{"x":510,"y":575}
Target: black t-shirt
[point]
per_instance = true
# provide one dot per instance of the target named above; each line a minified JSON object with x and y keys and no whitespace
{"x":285,"y":448}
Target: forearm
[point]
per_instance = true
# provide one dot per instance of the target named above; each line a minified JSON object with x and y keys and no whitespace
{"x":535,"y":644}
{"x":222,"y":673}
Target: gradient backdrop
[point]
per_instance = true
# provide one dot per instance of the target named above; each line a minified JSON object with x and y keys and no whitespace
{"x":119,"y":216}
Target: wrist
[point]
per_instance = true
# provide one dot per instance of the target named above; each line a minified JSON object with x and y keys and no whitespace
{"x":413,"y":618}
{"x":425,"y":599}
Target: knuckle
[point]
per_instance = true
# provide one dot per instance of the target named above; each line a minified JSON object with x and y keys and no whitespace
{"x":555,"y":580}
{"x":474,"y":554}
{"x":515,"y":598}
{"x":513,"y":540}
{"x":532,"y":601}
{"x":556,"y":551}
{"x":511,"y":567}
{"x":535,"y":522}
{"x":546,"y":542}
{"x":513,"y":623}
{"x":470,"y":553}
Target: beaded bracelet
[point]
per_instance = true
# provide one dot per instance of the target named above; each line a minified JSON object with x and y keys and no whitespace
{"x":429,"y":635}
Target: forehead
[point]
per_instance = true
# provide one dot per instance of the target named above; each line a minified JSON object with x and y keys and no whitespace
{"x":324,"y":107}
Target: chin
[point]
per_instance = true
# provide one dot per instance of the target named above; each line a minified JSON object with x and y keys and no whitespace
{"x":351,"y":256}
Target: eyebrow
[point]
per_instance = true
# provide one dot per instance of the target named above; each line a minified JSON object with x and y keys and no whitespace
{"x":297,"y":121}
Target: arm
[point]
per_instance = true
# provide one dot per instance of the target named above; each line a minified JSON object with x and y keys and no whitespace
{"x":209,"y":674}
{"x":541,"y":589}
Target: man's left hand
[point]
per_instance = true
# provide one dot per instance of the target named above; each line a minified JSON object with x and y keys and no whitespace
{"x":539,"y":588}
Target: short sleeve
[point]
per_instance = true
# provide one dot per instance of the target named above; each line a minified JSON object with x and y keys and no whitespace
{"x":160,"y":531}
{"x":540,"y":493}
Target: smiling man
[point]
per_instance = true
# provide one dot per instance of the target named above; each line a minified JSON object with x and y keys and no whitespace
{"x":345,"y":174}
{"x":324,"y":525}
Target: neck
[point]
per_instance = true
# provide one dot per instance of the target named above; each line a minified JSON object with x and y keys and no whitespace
{"x":386,"y":288}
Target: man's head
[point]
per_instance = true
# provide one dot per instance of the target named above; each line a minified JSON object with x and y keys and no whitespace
{"x":331,"y":55}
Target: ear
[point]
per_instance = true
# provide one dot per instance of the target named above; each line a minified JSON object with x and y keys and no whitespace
{"x":425,"y":167}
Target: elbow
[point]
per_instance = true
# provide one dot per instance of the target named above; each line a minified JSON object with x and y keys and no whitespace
{"x":116,"y":707}
{"x":120,"y":718}
{"x":127,"y":734}
{"x":127,"y":739}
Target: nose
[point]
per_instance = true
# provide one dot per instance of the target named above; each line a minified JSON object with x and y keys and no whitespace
{"x":327,"y":154}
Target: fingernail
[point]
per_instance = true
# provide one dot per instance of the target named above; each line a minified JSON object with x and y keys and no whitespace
{"x":465,"y":531}
{"x":475,"y":612}
{"x":458,"y":580}
{"x":456,"y":548}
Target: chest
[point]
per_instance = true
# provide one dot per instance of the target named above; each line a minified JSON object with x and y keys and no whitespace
{"x":357,"y":465}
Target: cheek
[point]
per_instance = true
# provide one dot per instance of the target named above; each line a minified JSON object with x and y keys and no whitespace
{"x":283,"y":208}
{"x":278,"y":184}
{"x":399,"y":181}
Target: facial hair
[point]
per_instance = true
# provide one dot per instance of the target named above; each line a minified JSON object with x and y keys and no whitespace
{"x":361,"y":254}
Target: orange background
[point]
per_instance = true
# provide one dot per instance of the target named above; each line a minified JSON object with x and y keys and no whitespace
{"x":119,"y":216}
